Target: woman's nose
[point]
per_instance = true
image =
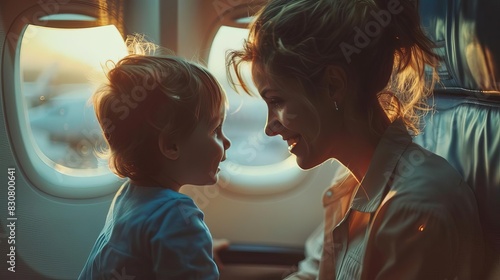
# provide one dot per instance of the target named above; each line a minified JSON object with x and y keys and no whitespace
{"x":273,"y":127}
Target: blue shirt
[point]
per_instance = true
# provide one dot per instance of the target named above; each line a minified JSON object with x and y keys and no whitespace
{"x":152,"y":233}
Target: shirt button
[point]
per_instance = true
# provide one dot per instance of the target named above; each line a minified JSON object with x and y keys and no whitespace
{"x":329,"y":193}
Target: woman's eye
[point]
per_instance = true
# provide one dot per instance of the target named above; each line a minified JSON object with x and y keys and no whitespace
{"x":275,"y":102}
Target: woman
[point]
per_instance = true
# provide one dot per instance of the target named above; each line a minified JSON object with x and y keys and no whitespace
{"x":345,"y":80}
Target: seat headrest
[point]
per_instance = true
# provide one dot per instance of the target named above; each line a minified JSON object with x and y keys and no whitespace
{"x":464,"y":127}
{"x":466,"y":32}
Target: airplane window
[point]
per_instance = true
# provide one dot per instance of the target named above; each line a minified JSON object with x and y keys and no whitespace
{"x":67,"y":17}
{"x":59,"y":69}
{"x":246,"y":116}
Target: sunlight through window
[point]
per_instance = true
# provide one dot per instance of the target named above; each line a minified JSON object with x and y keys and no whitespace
{"x":246,"y":116}
{"x":60,"y":68}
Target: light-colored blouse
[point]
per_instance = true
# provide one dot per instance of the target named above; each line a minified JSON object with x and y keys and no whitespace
{"x":412,"y":217}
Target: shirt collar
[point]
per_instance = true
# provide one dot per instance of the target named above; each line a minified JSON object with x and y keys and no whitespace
{"x":391,"y":146}
{"x":343,"y":187}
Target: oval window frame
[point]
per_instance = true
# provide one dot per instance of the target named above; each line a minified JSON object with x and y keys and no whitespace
{"x":245,"y":180}
{"x":45,"y":175}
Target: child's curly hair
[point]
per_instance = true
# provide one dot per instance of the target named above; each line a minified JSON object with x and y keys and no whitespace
{"x":148,"y":97}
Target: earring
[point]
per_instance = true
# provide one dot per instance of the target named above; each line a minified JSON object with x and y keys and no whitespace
{"x":336,"y":107}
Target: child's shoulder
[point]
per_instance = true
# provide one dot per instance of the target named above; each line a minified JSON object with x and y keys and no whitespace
{"x":154,"y":201}
{"x":158,"y":216}
{"x":167,"y":211}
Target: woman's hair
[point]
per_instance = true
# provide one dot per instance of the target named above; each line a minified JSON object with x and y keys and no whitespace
{"x":148,"y":98}
{"x":379,"y":44}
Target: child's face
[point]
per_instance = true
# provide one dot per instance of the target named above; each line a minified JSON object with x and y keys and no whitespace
{"x":204,"y":149}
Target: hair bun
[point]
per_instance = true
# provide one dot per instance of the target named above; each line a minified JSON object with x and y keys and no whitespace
{"x":404,"y":20}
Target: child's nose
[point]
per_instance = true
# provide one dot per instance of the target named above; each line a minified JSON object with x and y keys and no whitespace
{"x":227,"y":142}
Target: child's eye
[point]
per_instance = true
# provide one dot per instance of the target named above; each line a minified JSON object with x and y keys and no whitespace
{"x":217,"y":129}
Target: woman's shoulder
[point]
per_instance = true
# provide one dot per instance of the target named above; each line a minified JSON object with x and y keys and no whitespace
{"x":418,"y":166}
{"x":422,"y":178}
{"x":426,"y":187}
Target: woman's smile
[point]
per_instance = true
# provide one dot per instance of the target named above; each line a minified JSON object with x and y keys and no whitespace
{"x":292,"y":142}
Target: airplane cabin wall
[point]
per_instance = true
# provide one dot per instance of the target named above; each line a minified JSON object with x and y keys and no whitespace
{"x":55,"y":234}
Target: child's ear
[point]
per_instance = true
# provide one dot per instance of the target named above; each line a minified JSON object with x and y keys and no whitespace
{"x":170,"y":151}
{"x":169,"y":148}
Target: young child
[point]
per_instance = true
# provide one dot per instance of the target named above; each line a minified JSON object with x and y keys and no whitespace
{"x":162,"y":118}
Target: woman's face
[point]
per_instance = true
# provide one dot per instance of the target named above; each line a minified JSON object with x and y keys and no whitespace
{"x":313,"y":133}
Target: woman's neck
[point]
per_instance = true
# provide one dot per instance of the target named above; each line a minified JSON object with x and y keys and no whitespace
{"x":361,"y":146}
{"x":358,"y":158}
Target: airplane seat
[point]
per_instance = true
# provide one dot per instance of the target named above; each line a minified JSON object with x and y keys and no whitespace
{"x":464,"y":128}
